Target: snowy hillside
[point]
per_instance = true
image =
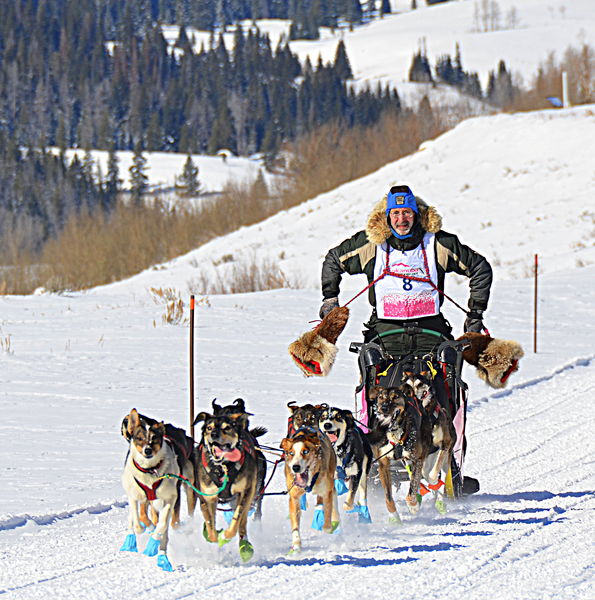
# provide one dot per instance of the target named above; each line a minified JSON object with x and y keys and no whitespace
{"x":72,"y":366}
{"x":523,"y":34}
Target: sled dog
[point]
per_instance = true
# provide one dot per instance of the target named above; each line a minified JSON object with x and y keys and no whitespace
{"x":310,"y":464}
{"x":443,"y":434}
{"x":183,"y":446}
{"x":151,"y":457}
{"x":302,"y":417}
{"x":227,"y":472}
{"x":354,"y":453}
{"x":235,"y":410}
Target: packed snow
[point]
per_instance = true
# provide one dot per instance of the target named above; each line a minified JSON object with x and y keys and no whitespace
{"x":73,"y":365}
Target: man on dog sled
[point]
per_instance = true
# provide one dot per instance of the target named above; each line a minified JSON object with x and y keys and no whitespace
{"x":405,"y":255}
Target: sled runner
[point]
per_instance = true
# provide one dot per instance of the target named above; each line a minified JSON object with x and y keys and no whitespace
{"x":441,"y":366}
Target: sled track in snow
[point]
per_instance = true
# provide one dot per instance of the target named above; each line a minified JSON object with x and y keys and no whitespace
{"x":579,"y":362}
{"x":50,"y":519}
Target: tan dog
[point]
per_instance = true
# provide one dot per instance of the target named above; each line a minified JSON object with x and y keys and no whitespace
{"x":310,"y":464}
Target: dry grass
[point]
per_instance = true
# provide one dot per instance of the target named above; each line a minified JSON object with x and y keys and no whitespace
{"x":94,"y":249}
{"x":174,"y":305}
{"x":243,"y":277}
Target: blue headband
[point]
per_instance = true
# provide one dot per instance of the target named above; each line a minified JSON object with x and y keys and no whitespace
{"x":401,"y":200}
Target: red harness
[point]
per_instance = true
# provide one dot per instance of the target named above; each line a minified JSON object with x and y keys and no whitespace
{"x":150,"y":492}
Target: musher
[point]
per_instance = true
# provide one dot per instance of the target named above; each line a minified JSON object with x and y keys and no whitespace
{"x":405,"y":233}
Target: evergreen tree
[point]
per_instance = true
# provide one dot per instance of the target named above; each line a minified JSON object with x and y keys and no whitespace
{"x":113,"y":181}
{"x":189,"y":178}
{"x":139,"y":182}
{"x":385,"y":8}
{"x":420,"y":71}
{"x":342,"y":65}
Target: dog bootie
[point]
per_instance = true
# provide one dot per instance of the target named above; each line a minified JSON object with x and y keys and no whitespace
{"x":129,"y":544}
{"x":246,"y":550}
{"x":340,"y":487}
{"x":163,"y":563}
{"x":362,"y":512}
{"x":318,"y":519}
{"x":440,"y":506}
{"x":303,"y":502}
{"x":221,"y":539}
{"x":205,"y":533}
{"x":394,"y":519}
{"x":152,"y":547}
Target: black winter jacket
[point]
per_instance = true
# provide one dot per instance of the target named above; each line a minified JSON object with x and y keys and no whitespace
{"x":358,"y":253}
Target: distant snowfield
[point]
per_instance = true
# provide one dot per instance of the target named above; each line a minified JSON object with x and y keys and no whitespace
{"x":382,"y":50}
{"x":163,"y":168}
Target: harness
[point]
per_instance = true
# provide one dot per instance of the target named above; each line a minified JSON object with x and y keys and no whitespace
{"x":217,"y":470}
{"x":150,"y":492}
{"x":386,"y":271}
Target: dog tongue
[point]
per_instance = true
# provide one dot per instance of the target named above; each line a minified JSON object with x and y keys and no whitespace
{"x":332,"y":437}
{"x":301,"y":479}
{"x":231,"y":455}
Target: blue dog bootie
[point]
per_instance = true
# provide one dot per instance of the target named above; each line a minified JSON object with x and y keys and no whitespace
{"x":363,"y":513}
{"x":318,"y":519}
{"x":152,"y":547}
{"x":163,"y":562}
{"x":340,"y":487}
{"x":129,"y":544}
{"x":303,"y":502}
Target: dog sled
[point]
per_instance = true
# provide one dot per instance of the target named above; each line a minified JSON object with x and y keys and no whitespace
{"x":442,"y":365}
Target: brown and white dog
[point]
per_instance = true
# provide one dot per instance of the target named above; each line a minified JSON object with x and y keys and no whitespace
{"x":310,"y":464}
{"x":183,"y":446}
{"x":150,"y":461}
{"x":227,"y":472}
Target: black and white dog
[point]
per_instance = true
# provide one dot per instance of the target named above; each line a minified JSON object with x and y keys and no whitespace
{"x":354,"y":455}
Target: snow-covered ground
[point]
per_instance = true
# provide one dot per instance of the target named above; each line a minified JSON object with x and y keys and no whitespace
{"x":72,"y":366}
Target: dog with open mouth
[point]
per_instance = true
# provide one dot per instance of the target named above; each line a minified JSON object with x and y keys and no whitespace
{"x":354,"y":455}
{"x":235,"y":410}
{"x":227,"y":472}
{"x":310,"y":465}
{"x":151,"y":475}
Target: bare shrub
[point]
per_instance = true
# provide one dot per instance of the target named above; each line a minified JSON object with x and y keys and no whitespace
{"x":243,"y":277}
{"x":174,"y":305}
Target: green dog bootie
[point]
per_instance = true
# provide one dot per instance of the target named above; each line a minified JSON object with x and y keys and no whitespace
{"x":395,"y":519}
{"x":221,"y":539}
{"x":441,"y":507}
{"x":205,"y":533}
{"x":246,"y":550}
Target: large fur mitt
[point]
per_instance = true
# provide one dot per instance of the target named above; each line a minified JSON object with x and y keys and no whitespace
{"x":315,"y":351}
{"x":494,"y":359}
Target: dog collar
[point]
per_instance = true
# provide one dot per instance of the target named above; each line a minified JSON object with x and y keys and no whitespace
{"x":312,"y":483}
{"x":150,"y":471}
